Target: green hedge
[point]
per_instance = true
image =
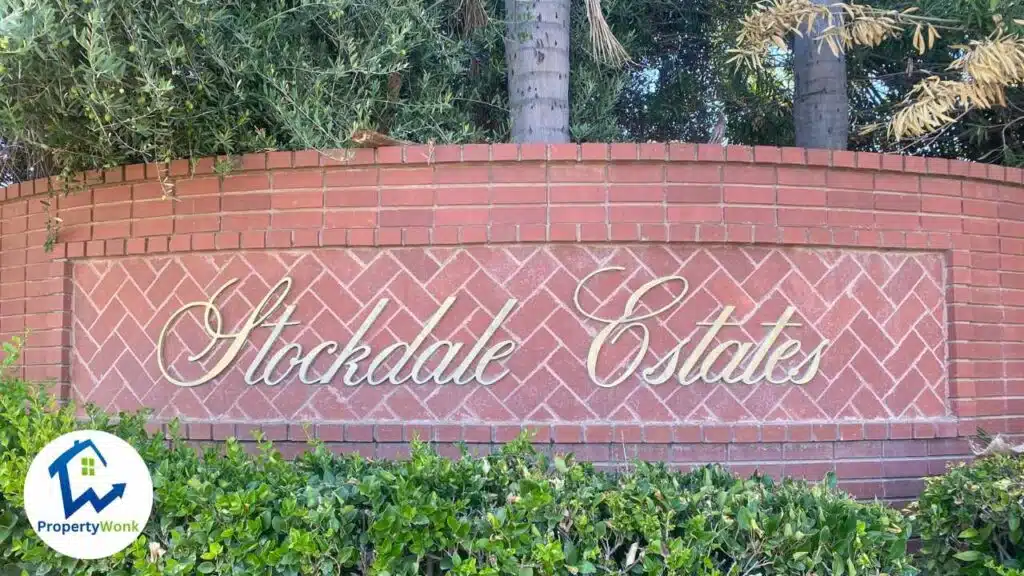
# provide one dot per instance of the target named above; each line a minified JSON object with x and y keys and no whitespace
{"x":516,"y":512}
{"x":519,"y":512}
{"x":969,"y":520}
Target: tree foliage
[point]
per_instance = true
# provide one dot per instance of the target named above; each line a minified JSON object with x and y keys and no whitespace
{"x":108,"y":82}
{"x":677,"y":86}
{"x":93,"y":84}
{"x":941,"y":76}
{"x":105,"y":82}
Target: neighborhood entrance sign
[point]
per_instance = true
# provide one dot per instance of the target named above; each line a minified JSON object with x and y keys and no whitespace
{"x":775,"y":359}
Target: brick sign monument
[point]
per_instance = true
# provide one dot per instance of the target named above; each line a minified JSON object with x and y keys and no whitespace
{"x":793,"y":311}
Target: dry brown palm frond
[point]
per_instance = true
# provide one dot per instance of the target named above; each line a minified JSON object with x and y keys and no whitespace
{"x":989,"y":66}
{"x":982,"y":74}
{"x":996,"y":60}
{"x":845,"y":25}
{"x":605,"y":45}
{"x":373,"y":139}
{"x":929,"y":106}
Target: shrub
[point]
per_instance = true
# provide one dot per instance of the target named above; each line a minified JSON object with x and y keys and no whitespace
{"x":969,"y":520}
{"x":103,"y":83}
{"x":518,"y":512}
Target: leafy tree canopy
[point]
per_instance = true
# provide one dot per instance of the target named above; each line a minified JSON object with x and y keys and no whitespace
{"x":108,"y":82}
{"x":101,"y":83}
{"x":104,"y":82}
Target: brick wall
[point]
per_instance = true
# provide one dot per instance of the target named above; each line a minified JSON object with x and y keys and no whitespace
{"x":913,"y":267}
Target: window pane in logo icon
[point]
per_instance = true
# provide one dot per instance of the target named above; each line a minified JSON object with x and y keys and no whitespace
{"x":97,"y":513}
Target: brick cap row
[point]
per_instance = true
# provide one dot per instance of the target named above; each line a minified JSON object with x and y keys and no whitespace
{"x":587,"y":152}
{"x":575,"y":433}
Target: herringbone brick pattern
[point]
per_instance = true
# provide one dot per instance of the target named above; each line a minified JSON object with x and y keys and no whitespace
{"x":883,"y":311}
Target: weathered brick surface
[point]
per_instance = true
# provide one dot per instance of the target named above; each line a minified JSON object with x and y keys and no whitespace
{"x":883,"y":312}
{"x":507,"y":199}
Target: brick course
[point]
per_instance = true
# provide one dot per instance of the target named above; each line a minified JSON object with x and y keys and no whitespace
{"x":971,"y":216}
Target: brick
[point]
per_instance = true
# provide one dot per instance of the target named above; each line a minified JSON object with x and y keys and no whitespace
{"x":698,"y":453}
{"x":898,"y":202}
{"x":682,"y":151}
{"x":593,"y":151}
{"x":897,"y":182}
{"x":296,"y":200}
{"x":111,"y":230}
{"x":152,"y":208}
{"x":767,"y":154}
{"x":577,"y":173}
{"x":710,"y":152}
{"x":406,"y":217}
{"x":574,"y":214}
{"x":653,"y":151}
{"x":296,"y":220}
{"x":197,"y":187}
{"x":804,"y":197}
{"x":693,"y":173}
{"x":749,"y":195}
{"x":941,"y":204}
{"x":563,"y":152}
{"x":100,"y":196}
{"x":192,"y":224}
{"x":574,"y":194}
{"x":740,"y":174}
{"x":518,"y":173}
{"x":518,"y":215}
{"x":849,"y":179}
{"x":405,"y":176}
{"x":456,"y":216}
{"x":694,"y":214}
{"x":245,"y":202}
{"x":636,"y":173}
{"x":245,"y":221}
{"x":819,"y":157}
{"x":204,"y":205}
{"x":759,"y":452}
{"x":751,"y":215}
{"x":572,"y":434}
{"x":802,"y":217}
{"x":519,"y":195}
{"x":461,"y":174}
{"x":635,"y":213}
{"x":109,"y":212}
{"x":533,"y":151}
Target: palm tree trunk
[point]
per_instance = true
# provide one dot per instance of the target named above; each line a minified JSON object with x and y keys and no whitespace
{"x":537,"y":51}
{"x":821,"y":112}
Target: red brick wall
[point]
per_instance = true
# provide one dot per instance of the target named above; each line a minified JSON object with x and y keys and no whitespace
{"x":913,"y":267}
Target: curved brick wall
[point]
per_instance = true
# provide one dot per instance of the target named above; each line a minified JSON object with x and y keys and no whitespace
{"x":911,"y":269}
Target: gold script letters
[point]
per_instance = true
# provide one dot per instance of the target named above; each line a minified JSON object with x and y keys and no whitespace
{"x":351,"y":355}
{"x":402,"y":362}
{"x":742,"y":366}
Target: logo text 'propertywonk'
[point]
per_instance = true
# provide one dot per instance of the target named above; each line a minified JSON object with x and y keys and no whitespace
{"x":88,"y":494}
{"x":91,"y":528}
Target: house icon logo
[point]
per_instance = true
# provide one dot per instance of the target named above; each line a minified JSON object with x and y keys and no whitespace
{"x":88,"y":494}
{"x":60,"y":469}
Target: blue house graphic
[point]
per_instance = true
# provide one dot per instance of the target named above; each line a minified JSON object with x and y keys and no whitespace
{"x":59,"y":467}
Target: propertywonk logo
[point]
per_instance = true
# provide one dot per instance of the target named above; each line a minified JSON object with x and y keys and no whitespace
{"x":88,"y":494}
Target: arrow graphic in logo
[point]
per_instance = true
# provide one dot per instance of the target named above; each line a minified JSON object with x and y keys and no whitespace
{"x":89,"y":497}
{"x":59,"y":468}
